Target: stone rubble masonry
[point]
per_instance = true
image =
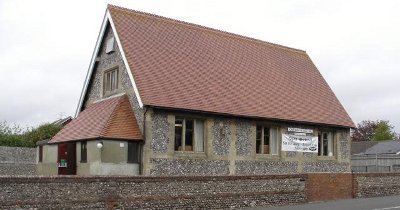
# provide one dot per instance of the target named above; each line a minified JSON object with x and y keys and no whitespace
{"x":189,"y":167}
{"x":244,"y":167}
{"x":376,"y":184}
{"x":344,"y":149}
{"x":221,"y":136}
{"x":243,"y":136}
{"x":107,"y":62}
{"x":17,"y":161}
{"x":212,"y":192}
{"x":230,"y":149}
{"x":160,"y":130}
{"x":189,"y":192}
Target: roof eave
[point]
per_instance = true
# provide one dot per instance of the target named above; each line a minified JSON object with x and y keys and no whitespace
{"x":96,"y":139}
{"x":249,"y":117}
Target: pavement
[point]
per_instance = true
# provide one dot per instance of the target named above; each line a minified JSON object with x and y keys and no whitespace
{"x":377,"y":203}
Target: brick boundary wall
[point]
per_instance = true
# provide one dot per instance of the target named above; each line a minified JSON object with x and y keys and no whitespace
{"x":329,"y":186}
{"x":196,"y":192}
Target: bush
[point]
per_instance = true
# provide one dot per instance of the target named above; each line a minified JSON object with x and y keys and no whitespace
{"x":45,"y":131}
{"x":14,"y":136}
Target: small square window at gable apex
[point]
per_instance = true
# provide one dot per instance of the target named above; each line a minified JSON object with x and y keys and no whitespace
{"x":110,"y":45}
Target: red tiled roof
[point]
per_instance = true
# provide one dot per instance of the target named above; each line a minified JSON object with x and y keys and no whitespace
{"x":185,"y":66}
{"x":109,"y":119}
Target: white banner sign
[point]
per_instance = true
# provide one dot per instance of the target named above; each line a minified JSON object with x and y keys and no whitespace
{"x":300,"y":130}
{"x":299,"y":143}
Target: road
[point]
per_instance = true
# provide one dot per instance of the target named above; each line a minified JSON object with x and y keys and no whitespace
{"x":379,"y":203}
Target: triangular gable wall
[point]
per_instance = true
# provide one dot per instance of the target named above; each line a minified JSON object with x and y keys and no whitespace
{"x":107,"y":21}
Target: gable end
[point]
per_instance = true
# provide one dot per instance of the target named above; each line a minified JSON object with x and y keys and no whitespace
{"x":107,"y":21}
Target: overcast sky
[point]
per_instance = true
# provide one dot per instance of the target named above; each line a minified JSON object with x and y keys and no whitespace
{"x":46,"y":47}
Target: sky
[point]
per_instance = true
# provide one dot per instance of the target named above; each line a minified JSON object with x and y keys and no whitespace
{"x":46,"y":47}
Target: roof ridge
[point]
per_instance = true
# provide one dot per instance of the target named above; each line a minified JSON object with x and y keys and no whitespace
{"x":201,"y":27}
{"x":104,"y":130}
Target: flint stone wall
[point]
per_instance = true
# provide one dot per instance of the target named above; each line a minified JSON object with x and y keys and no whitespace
{"x":244,"y":167}
{"x":230,"y":149}
{"x":376,"y":184}
{"x":190,"y":192}
{"x":17,"y":161}
{"x":189,"y":167}
{"x":225,"y":192}
{"x":108,"y":61}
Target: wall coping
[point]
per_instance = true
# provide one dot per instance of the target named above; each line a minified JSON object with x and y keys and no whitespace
{"x":375,"y":174}
{"x":73,"y":178}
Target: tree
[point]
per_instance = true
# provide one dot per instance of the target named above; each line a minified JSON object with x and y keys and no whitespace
{"x":377,"y":130}
{"x":44,"y":131}
{"x":15,"y":136}
{"x":383,"y":131}
{"x":364,"y":131}
{"x":12,"y":136}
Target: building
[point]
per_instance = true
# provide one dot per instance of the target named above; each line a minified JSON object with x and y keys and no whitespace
{"x":377,"y":156}
{"x":166,"y":97}
{"x":359,"y":147}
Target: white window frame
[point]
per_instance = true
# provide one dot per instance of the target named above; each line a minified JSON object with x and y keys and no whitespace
{"x":262,"y":145}
{"x":195,"y":147}
{"x":329,"y":138}
{"x":110,"y":45}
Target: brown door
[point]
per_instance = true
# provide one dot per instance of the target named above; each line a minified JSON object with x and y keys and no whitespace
{"x":71,"y":158}
{"x":62,"y":159}
{"x":67,"y":158}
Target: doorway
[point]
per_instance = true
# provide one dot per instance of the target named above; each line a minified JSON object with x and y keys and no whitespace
{"x":67,"y":158}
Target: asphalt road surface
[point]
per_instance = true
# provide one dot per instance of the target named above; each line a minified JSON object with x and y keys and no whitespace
{"x":379,"y":203}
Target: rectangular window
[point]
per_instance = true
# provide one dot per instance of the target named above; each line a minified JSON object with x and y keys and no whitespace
{"x":40,"y":154}
{"x":189,"y":135}
{"x":133,"y":152}
{"x":266,"y":140}
{"x":110,"y":81}
{"x":83,"y":152}
{"x":325,"y":144}
{"x":110,"y":45}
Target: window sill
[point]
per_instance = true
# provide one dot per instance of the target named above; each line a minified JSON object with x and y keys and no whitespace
{"x":190,"y":154}
{"x":326,"y":158}
{"x":111,"y":93}
{"x":267,"y":157}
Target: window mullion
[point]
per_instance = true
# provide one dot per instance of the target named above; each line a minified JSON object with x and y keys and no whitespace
{"x":269,"y":141}
{"x":194,"y":135}
{"x":322,"y":144}
{"x":262,"y":139}
{"x":183,"y":134}
{"x":330,"y":144}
